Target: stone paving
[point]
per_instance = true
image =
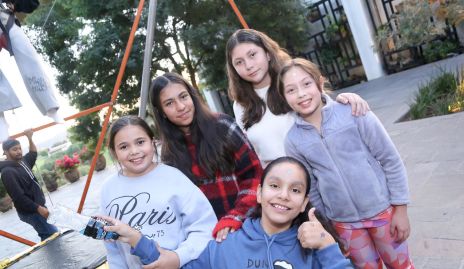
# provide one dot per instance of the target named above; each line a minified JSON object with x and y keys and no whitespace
{"x":433,"y":152}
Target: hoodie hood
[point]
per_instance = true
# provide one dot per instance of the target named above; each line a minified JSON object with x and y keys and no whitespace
{"x":253,"y":229}
{"x":279,"y":242}
{"x":8,"y":163}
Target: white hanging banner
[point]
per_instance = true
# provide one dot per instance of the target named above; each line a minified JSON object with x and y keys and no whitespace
{"x":8,"y":99}
{"x":32,"y":71}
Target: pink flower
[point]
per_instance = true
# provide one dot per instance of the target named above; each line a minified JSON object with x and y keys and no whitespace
{"x":67,"y":163}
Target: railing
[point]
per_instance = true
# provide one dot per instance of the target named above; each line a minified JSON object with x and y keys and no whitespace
{"x":332,"y":44}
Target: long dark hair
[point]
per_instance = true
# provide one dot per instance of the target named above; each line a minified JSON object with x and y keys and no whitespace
{"x":214,"y":152}
{"x":303,"y":216}
{"x":242,"y":91}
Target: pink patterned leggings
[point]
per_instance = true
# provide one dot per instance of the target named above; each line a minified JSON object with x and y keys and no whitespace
{"x":369,"y":243}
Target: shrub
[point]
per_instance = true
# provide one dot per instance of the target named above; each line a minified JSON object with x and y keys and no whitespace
{"x":440,"y":96}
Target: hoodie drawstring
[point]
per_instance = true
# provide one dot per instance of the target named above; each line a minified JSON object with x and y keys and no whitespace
{"x":29,"y":172}
{"x":269,"y":256}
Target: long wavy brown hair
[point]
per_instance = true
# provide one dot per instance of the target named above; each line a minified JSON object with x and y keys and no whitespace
{"x":214,"y":153}
{"x":242,"y":91}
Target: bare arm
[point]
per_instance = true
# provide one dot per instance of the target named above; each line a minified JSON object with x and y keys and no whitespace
{"x":32,"y":146}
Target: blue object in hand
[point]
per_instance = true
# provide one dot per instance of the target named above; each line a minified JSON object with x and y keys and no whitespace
{"x":95,"y":230}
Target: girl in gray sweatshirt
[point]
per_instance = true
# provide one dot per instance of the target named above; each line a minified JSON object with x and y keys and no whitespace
{"x":358,"y":179}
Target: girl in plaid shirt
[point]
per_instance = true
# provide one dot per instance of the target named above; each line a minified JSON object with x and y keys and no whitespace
{"x":209,"y":148}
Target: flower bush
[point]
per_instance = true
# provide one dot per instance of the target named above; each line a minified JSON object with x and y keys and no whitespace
{"x":67,"y":163}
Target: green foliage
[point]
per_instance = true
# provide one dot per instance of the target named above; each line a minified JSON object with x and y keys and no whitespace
{"x":439,"y":49}
{"x":411,"y":26}
{"x":49,"y":176}
{"x":440,"y":96}
{"x":84,"y":169}
{"x":335,"y":30}
{"x":43,"y":153}
{"x":328,"y":54}
{"x":85,"y":41}
{"x":284,"y":21}
{"x":48,"y":164}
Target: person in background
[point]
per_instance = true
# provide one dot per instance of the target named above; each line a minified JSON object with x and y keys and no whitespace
{"x":23,"y":187}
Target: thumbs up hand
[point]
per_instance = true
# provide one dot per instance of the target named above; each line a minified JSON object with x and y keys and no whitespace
{"x":312,"y":235}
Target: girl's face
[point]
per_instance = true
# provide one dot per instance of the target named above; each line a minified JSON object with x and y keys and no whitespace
{"x":252,"y":64}
{"x":282,"y":197}
{"x":134,"y":150}
{"x":177,"y":105}
{"x":302,"y":93}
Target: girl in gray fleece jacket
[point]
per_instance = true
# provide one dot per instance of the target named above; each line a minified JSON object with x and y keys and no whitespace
{"x":358,"y":178}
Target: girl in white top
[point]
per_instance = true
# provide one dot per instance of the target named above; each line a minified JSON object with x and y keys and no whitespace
{"x":253,"y":62}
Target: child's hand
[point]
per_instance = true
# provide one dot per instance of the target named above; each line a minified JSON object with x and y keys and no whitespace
{"x":359,"y":106}
{"x":399,"y":228}
{"x":167,"y":260}
{"x":126,"y":233}
{"x":312,"y":235}
{"x":222,"y":234}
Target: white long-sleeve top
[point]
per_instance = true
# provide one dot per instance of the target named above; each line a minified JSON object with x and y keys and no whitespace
{"x":165,"y":206}
{"x":268,"y":135}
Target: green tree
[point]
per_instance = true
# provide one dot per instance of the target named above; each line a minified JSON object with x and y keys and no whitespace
{"x":209,"y":26}
{"x":85,"y":41}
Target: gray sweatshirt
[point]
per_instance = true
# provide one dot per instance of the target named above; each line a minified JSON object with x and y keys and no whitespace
{"x":165,"y":206}
{"x":356,"y":171}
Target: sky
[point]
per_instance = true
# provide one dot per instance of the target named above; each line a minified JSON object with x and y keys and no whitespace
{"x":28,"y":116}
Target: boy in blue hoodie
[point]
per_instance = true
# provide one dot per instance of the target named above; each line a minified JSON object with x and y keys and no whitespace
{"x":279,"y":235}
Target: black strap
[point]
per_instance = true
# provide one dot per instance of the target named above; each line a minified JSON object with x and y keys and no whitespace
{"x":6,"y":31}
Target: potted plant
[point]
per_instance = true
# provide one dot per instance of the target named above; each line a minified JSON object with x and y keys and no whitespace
{"x":68,"y":166}
{"x":51,"y":180}
{"x":5,"y":200}
{"x":6,"y":203}
{"x":86,"y":155}
{"x":313,"y":14}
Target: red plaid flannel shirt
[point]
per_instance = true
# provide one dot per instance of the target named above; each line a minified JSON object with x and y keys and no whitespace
{"x":232,"y":196}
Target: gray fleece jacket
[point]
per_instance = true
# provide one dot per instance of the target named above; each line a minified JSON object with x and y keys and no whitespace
{"x":356,"y":171}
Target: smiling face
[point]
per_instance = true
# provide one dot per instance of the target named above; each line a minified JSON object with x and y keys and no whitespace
{"x":282,"y":197}
{"x":252,"y":64}
{"x":302,"y":93}
{"x":134,"y":150}
{"x":177,"y":105}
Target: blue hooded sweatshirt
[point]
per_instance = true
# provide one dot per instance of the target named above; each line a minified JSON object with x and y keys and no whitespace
{"x":251,"y":247}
